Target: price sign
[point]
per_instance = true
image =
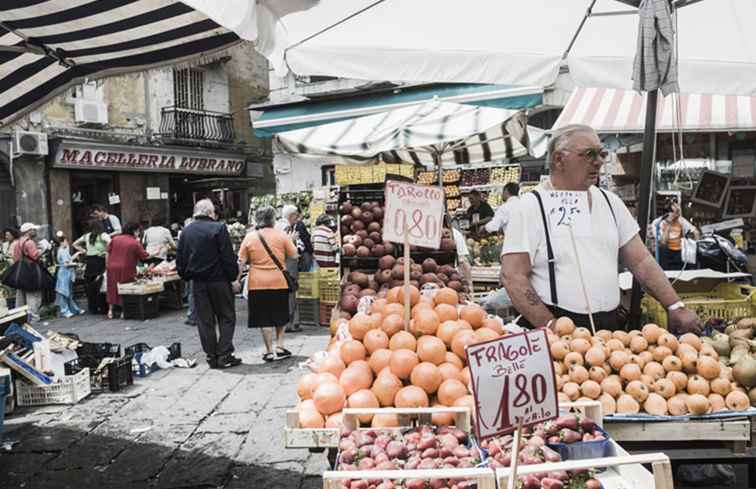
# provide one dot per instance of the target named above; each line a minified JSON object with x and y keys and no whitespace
{"x":568,"y":208}
{"x":512,"y":377}
{"x":418,"y":209}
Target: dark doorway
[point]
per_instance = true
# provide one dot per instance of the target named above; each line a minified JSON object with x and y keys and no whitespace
{"x":7,"y":199}
{"x":88,"y":189}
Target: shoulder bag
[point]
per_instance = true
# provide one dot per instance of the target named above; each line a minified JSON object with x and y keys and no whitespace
{"x":291,"y":282}
{"x":27,"y":274}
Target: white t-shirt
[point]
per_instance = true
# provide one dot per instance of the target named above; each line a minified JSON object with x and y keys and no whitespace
{"x":157,"y":240}
{"x":599,"y":253}
{"x":501,"y":218}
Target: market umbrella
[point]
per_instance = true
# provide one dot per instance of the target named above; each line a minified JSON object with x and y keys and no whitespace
{"x":46,"y":46}
{"x":426,"y":134}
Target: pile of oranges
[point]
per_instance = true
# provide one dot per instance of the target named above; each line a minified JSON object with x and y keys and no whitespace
{"x":387,"y":363}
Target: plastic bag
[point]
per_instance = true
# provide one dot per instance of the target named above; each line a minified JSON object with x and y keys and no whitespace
{"x":497,"y":299}
{"x":315,"y":360}
{"x":158,"y":355}
{"x":364,"y":304}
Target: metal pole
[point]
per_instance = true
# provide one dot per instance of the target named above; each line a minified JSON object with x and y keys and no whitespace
{"x":644,"y":199}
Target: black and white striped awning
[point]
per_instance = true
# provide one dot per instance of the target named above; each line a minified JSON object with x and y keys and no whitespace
{"x":45,"y":46}
{"x":424,"y":134}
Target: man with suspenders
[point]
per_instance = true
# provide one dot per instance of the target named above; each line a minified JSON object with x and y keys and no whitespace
{"x":538,"y":265}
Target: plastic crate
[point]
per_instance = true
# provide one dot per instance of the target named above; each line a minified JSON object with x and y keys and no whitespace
{"x":726,"y":301}
{"x":137,"y":350}
{"x":141,"y":306}
{"x":330,"y":289}
{"x":309,"y":311}
{"x":120,"y":373}
{"x":308,"y":285}
{"x":72,"y":389}
{"x":326,"y":309}
{"x":91,"y":354}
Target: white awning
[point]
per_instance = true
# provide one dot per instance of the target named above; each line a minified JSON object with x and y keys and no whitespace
{"x":455,"y":133}
{"x":623,"y":111}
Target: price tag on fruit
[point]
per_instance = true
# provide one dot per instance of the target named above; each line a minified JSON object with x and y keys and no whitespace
{"x":512,"y":377}
{"x":566,"y":208}
{"x":416,"y":209}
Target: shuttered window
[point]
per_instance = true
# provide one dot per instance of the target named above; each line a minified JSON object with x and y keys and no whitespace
{"x":188,"y":88}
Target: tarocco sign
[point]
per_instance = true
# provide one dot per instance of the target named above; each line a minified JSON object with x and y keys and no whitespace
{"x":130,"y":158}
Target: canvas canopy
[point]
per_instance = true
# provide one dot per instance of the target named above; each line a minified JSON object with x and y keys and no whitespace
{"x":427,"y":134}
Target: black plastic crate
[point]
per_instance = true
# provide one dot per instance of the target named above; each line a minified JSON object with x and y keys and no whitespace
{"x":309,"y":311}
{"x":120,"y":373}
{"x":141,"y":306}
{"x":136,"y":350}
{"x":91,"y":354}
{"x":72,"y":367}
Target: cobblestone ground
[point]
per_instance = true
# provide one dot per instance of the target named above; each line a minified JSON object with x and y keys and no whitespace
{"x":188,"y":428}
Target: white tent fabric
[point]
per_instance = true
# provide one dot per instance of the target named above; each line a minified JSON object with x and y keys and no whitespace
{"x":517,"y":42}
{"x":455,"y":133}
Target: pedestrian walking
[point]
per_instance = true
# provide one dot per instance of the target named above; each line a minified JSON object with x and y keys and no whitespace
{"x":124,"y":253}
{"x":26,"y":247}
{"x":94,"y":246}
{"x":268,"y":283}
{"x":205,"y":256}
{"x":110,"y":222}
{"x":66,"y":276}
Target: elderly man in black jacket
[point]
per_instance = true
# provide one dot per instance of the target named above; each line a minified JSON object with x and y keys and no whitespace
{"x":205,"y":256}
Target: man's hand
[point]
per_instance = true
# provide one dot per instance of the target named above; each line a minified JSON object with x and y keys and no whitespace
{"x":236,"y":286}
{"x":684,"y":321}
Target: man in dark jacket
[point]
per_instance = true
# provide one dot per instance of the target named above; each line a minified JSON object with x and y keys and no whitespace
{"x":206,"y":257}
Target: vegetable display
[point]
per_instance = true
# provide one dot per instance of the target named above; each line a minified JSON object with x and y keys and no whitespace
{"x":649,"y":371}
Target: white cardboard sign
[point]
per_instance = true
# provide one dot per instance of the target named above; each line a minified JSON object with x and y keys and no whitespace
{"x":566,"y":208}
{"x":512,"y":377}
{"x":419,"y":209}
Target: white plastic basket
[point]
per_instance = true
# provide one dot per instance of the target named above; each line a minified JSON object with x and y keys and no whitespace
{"x":72,"y":389}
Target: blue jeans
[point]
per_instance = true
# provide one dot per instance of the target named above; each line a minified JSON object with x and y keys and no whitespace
{"x":67,"y":305}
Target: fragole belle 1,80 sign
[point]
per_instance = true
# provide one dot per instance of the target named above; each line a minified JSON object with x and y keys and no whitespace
{"x":512,"y":378}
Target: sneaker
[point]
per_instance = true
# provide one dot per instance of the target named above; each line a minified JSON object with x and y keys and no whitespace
{"x":212,"y":362}
{"x":228,"y":361}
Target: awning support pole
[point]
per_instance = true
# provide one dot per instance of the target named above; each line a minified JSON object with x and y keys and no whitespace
{"x":644,"y":198}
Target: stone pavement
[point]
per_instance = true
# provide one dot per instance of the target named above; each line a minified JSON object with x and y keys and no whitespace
{"x":177,"y":428}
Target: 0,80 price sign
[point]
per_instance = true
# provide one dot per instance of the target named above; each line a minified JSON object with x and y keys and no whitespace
{"x":415,"y":211}
{"x":512,"y":377}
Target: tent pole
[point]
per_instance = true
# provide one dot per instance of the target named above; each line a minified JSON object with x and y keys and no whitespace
{"x":644,"y":198}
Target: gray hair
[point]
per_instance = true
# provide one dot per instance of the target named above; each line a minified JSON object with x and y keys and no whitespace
{"x":288,"y":210}
{"x":265,"y":217}
{"x":561,"y":138}
{"x":204,"y":207}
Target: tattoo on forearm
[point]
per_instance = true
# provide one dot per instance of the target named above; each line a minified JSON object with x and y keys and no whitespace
{"x":532,"y":297}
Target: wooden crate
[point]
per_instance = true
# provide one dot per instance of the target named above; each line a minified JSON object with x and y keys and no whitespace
{"x":689,"y":430}
{"x":485,"y":477}
{"x":622,"y":471}
{"x":296,"y":437}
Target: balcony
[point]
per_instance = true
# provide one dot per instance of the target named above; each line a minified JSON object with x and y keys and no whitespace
{"x":196,"y":127}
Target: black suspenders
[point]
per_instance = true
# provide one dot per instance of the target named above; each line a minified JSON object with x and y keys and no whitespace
{"x":550,"y":249}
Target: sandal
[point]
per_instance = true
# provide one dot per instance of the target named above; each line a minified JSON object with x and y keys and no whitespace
{"x":282,"y":352}
{"x":269,"y":357}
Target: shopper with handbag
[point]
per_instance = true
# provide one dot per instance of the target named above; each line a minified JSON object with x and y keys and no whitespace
{"x":269,"y":284}
{"x":30,"y":275}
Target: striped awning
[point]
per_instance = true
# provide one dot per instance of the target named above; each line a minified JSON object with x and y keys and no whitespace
{"x":424,"y":134}
{"x":45,"y":46}
{"x":623,"y":111}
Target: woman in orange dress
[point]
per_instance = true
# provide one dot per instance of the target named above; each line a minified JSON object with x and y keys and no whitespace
{"x":268,"y":293}
{"x":124,"y":252}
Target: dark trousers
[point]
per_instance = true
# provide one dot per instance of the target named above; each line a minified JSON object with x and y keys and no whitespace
{"x":214,"y":302}
{"x":670,"y":260}
{"x":96,"y":302}
{"x":603,"y":320}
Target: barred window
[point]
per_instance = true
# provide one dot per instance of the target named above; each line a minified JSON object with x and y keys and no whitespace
{"x":188,"y":88}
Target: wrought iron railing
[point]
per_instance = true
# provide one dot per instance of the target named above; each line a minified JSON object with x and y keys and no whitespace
{"x":191,"y":125}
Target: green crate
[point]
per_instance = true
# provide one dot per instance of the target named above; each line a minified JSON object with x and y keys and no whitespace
{"x":309,"y":311}
{"x":726,"y":301}
{"x":308,"y":285}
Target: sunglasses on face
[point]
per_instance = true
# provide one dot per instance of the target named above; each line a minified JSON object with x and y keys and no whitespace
{"x":591,"y":154}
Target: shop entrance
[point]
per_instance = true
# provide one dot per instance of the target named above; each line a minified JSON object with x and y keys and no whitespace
{"x":88,"y":189}
{"x":228,"y":195}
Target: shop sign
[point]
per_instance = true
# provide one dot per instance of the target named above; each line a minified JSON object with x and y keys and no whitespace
{"x":513,"y":382}
{"x":94,"y":156}
{"x":365,"y":174}
{"x":414,"y":214}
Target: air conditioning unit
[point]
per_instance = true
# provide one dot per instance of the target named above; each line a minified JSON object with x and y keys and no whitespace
{"x":30,"y":143}
{"x":90,"y":112}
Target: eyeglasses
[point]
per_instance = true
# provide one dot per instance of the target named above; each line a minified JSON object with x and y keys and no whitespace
{"x":591,"y":154}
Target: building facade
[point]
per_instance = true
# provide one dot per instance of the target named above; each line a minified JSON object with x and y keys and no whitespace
{"x":148,"y":145}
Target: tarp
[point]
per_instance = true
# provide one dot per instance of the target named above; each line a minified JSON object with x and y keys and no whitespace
{"x":457,"y":133}
{"x":517,"y":42}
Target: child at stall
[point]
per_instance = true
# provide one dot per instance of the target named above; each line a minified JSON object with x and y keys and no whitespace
{"x":65,"y":278}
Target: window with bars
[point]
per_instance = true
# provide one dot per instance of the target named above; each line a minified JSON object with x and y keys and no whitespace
{"x":188,"y":88}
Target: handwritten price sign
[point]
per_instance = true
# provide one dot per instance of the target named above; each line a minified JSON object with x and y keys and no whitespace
{"x":567,"y":208}
{"x":512,"y":377}
{"x":418,"y":209}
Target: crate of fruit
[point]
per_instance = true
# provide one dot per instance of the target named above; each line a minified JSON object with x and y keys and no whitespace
{"x":70,"y":390}
{"x":726,"y":301}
